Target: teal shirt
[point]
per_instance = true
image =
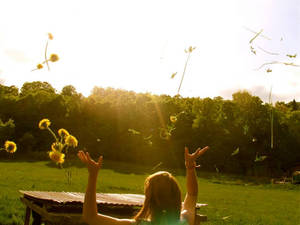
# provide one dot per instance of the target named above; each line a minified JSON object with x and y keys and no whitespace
{"x":146,"y":222}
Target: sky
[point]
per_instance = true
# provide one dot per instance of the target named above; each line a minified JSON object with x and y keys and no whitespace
{"x":137,"y":45}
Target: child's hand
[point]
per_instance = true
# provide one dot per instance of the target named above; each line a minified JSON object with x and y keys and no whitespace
{"x":190,"y":159}
{"x":93,"y":167}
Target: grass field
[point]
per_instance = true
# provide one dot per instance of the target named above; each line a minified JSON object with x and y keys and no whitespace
{"x":231,"y":200}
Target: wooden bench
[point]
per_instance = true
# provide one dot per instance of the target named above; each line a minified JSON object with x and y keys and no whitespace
{"x":66,"y":207}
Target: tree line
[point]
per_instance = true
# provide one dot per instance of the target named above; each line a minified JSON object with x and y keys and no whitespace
{"x":153,"y":129}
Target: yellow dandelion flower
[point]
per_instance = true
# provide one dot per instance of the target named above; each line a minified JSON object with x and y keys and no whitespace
{"x":63,"y":132}
{"x":71,"y":141}
{"x":44,"y":124}
{"x":55,"y":146}
{"x":39,"y":66}
{"x":173,"y":119}
{"x":191,"y":48}
{"x":50,"y":36}
{"x":10,"y":146}
{"x":54,"y":58}
{"x":173,"y":75}
{"x":57,"y":156}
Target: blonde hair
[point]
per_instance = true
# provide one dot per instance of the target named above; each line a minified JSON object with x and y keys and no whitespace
{"x":162,"y":203}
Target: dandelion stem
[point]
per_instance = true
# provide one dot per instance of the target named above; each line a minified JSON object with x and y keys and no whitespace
{"x":277,"y":62}
{"x":186,"y":62}
{"x":46,"y":60}
{"x":257,"y":34}
{"x":270,"y":53}
{"x":271,"y":118}
{"x":52,"y":134}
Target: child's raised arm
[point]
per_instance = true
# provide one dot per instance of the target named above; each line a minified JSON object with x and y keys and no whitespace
{"x":90,"y":213}
{"x":189,"y":204}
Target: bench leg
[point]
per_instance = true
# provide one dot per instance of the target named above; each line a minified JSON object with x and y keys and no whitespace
{"x":37,"y":219}
{"x":27,"y":216}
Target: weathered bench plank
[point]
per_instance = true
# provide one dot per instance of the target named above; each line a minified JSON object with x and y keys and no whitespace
{"x":66,"y":207}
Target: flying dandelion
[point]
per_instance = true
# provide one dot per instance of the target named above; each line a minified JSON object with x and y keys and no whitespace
{"x":256,"y":35}
{"x":188,"y":51}
{"x":173,"y":119}
{"x":291,"y":56}
{"x":52,"y":58}
{"x":252,"y":50}
{"x":50,"y":36}
{"x":135,"y":132}
{"x":260,"y":158}
{"x":173,"y":75}
{"x":235,"y":152}
{"x":10,"y":147}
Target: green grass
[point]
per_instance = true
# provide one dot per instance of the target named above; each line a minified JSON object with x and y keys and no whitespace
{"x":243,"y":201}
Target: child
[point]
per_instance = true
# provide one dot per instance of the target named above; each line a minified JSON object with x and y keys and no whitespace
{"x":162,"y":205}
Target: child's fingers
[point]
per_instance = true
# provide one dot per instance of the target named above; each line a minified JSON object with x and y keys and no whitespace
{"x":186,"y":152}
{"x":201,"y":151}
{"x":81,"y":156}
{"x":84,"y":157}
{"x":100,"y":161}
{"x":88,"y":157}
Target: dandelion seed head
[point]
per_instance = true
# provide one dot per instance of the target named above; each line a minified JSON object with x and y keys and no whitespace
{"x":71,"y":141}
{"x":173,"y":119}
{"x":54,"y":57}
{"x":50,"y":36}
{"x":10,"y":146}
{"x":57,"y":156}
{"x":44,"y":124}
{"x":39,"y":66}
{"x":63,"y":133}
{"x":173,"y":75}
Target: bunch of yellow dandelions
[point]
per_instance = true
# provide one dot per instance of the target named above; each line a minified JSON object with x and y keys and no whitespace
{"x":10,"y":147}
{"x":52,"y":58}
{"x":61,"y":144}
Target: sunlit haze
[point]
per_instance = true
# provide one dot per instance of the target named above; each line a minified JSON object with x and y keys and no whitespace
{"x":137,"y":45}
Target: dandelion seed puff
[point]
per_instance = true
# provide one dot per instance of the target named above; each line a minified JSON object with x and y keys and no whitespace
{"x":10,"y":146}
{"x":63,"y":132}
{"x":173,"y":119}
{"x":57,"y":156}
{"x":39,"y":66}
{"x":71,"y":141}
{"x":50,"y":36}
{"x":54,"y":57}
{"x":44,"y":124}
